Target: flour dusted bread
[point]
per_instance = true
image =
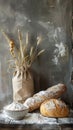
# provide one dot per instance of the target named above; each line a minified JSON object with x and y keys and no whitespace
{"x":53,"y":92}
{"x":54,"y":108}
{"x":33,"y":103}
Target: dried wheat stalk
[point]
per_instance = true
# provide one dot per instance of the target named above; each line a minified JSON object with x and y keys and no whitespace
{"x":23,"y":57}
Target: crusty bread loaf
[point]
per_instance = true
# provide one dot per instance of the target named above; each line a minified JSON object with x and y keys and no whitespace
{"x":53,"y":92}
{"x":54,"y":108}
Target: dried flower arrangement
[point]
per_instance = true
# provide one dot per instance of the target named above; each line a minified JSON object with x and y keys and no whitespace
{"x":23,"y":86}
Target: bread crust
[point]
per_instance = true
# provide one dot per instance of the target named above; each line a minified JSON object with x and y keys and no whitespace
{"x":53,"y":92}
{"x":54,"y":108}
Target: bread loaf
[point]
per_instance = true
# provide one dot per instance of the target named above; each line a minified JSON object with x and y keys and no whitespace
{"x":53,"y":92}
{"x":54,"y":108}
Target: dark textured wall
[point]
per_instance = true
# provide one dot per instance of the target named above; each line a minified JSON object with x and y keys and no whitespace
{"x":51,"y":19}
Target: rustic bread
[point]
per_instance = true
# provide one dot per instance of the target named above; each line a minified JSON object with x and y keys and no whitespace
{"x":54,"y":108}
{"x":53,"y":92}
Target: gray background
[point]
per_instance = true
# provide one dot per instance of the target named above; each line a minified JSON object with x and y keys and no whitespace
{"x":49,"y":18}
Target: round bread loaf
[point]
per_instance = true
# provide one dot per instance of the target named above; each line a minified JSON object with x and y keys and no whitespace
{"x":54,"y":108}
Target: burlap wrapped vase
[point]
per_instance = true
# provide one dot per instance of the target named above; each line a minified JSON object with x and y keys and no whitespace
{"x":23,"y":86}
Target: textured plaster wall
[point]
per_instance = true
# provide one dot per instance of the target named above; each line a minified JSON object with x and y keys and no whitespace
{"x":51,"y":19}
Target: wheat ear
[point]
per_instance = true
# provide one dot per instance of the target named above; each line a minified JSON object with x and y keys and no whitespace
{"x":12,"y":47}
{"x":11,"y":44}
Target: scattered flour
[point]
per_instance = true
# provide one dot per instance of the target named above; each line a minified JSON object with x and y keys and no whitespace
{"x":42,"y":94}
{"x":50,"y":105}
{"x":30,"y":118}
{"x":15,"y":106}
{"x":29,"y":102}
{"x":32,"y":101}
